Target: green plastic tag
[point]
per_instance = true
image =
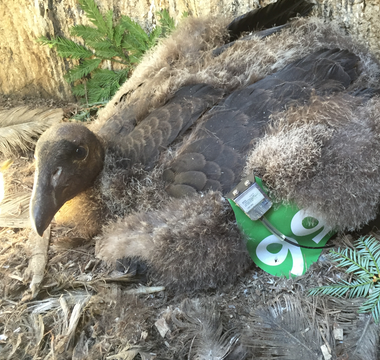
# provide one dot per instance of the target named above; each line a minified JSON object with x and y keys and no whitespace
{"x":278,"y":257}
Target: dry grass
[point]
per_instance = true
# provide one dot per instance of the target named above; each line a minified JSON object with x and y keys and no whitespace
{"x":21,"y":126}
{"x":83,"y":310}
{"x":79,"y":308}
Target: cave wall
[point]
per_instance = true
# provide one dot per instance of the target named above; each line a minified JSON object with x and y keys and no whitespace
{"x":30,"y":69}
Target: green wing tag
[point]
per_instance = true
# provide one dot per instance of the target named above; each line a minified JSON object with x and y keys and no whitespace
{"x":272,"y":254}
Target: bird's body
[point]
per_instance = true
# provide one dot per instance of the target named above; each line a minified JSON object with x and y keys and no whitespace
{"x":287,"y":106}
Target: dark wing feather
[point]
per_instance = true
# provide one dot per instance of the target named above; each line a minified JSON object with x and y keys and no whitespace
{"x":120,"y":124}
{"x":230,"y":130}
{"x":162,"y":126}
{"x":264,"y":19}
{"x":277,"y":13}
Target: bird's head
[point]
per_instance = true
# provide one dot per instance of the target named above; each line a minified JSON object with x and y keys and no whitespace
{"x":69,"y":157}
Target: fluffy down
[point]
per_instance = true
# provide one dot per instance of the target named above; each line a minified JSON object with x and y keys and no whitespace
{"x":124,"y":191}
{"x":190,"y":244}
{"x":82,"y":214}
{"x":325,"y":157}
{"x":181,"y":60}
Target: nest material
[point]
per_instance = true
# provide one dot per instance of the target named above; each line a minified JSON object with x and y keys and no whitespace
{"x":82,"y":311}
{"x":21,"y":127}
{"x":17,"y":186}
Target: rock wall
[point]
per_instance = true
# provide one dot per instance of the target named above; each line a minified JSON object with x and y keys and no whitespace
{"x":361,"y":18}
{"x":30,"y":69}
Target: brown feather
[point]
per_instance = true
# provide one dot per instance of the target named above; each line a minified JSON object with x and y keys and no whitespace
{"x":201,"y":329}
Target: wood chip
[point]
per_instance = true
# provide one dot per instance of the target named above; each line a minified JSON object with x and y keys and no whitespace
{"x":65,"y":310}
{"x":325,"y":352}
{"x":162,"y":327}
{"x":145,"y":290}
{"x":338,"y":334}
{"x":74,"y":320}
{"x":39,"y":328}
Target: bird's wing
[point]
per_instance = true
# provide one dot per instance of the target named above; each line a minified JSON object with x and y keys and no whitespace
{"x":277,"y":13}
{"x":269,"y":20}
{"x":214,"y":156}
{"x":163,"y":125}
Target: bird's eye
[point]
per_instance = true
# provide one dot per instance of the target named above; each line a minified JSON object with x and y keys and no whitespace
{"x":80,"y":153}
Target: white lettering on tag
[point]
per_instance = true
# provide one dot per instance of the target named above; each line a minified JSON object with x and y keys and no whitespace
{"x":276,"y":259}
{"x":299,"y":230}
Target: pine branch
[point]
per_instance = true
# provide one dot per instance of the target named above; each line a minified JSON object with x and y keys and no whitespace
{"x":107,"y":54}
{"x":82,"y":70}
{"x":88,"y":33}
{"x":93,"y":14}
{"x":358,"y":264}
{"x":104,"y":76}
{"x":118,"y":35}
{"x":97,"y":93}
{"x":137,"y":37}
{"x":363,"y":262}
{"x":106,"y":50}
{"x":155,"y":35}
{"x":359,"y":286}
{"x":104,"y":85}
{"x":372,"y":304}
{"x":79,"y":90}
{"x":124,"y":42}
{"x":109,"y":24}
{"x":66,"y":48}
{"x":371,"y":247}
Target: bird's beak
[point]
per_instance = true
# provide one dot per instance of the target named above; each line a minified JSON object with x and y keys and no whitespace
{"x":42,"y":211}
{"x":44,"y":204}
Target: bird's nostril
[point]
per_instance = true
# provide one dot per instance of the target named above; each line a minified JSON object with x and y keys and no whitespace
{"x":55,"y":176}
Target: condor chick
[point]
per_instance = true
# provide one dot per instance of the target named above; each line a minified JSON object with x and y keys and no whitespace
{"x":213,"y":109}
